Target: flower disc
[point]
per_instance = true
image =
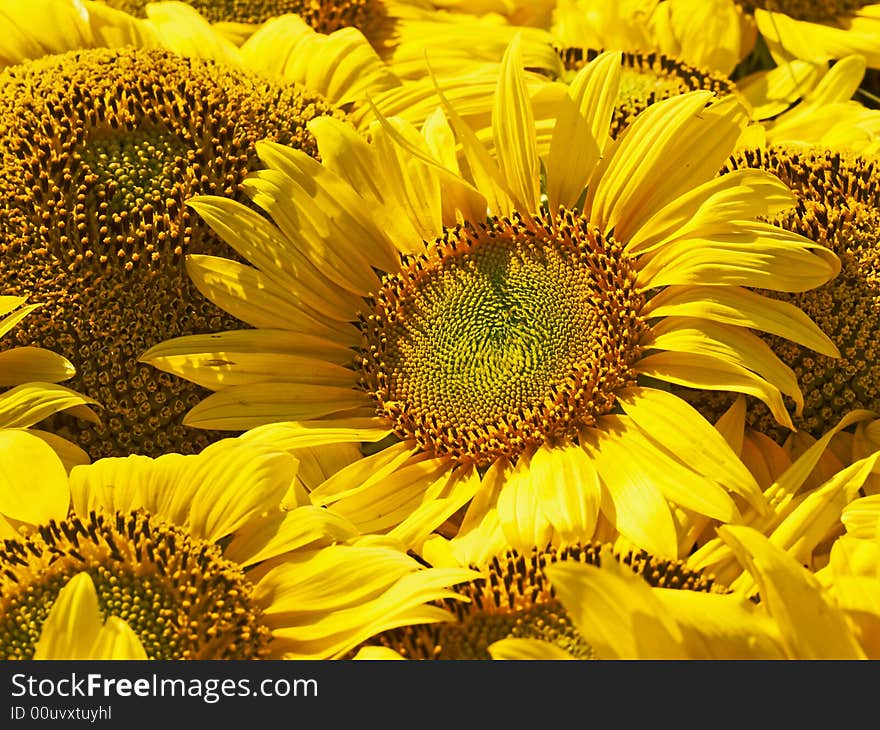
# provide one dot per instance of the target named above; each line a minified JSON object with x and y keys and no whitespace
{"x":503,"y":336}
{"x":99,"y":151}
{"x":178,"y":594}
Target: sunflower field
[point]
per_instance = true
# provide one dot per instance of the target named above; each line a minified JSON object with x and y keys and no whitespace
{"x":451,"y":329}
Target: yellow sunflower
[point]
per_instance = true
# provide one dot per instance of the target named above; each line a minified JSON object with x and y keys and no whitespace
{"x":194,"y":554}
{"x":838,"y":197}
{"x":818,"y":30}
{"x":513,"y":599}
{"x":622,"y":617}
{"x":99,"y":149}
{"x":712,"y":34}
{"x":28,"y":379}
{"x":808,"y":484}
{"x":787,"y":99}
{"x":492,"y":338}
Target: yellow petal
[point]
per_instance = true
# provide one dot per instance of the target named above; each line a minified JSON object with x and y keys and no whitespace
{"x":23,"y":364}
{"x":812,"y":627}
{"x":241,"y":407}
{"x":74,"y":629}
{"x":527,"y":649}
{"x":631,"y":500}
{"x":616,"y":615}
{"x":513,"y":125}
{"x":253,"y":297}
{"x":708,"y":373}
{"x":585,"y":115}
{"x":744,"y":308}
{"x":33,"y":481}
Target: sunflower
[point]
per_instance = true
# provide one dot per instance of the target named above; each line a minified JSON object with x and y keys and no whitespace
{"x":838,"y":198}
{"x":791,"y":97}
{"x":29,"y":377}
{"x":195,"y":556}
{"x":513,"y":599}
{"x":622,"y":617}
{"x":808,"y":484}
{"x":818,"y":30}
{"x":710,"y":34}
{"x":482,"y":353}
{"x":99,"y":150}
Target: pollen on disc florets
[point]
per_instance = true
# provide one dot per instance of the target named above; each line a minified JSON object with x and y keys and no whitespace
{"x":838,"y":206}
{"x":502,"y":336}
{"x":99,"y":152}
{"x":181,"y":597}
{"x":647,"y":78}
{"x":325,"y":16}
{"x":516,"y":600}
{"x":812,"y":10}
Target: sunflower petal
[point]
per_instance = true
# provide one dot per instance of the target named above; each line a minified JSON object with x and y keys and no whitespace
{"x":241,"y":407}
{"x":33,"y":481}
{"x":527,"y":649}
{"x":812,"y":627}
{"x":744,"y":308}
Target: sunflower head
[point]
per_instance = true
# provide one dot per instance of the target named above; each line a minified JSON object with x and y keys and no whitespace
{"x":514,"y":599}
{"x":512,"y":314}
{"x":838,"y":195}
{"x":99,"y":150}
{"x":194,"y":556}
{"x":646,"y":78}
{"x":178,"y":594}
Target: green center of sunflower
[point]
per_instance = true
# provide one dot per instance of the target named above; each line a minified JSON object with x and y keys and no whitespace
{"x":813,"y":10}
{"x":838,"y":206}
{"x":132,"y":169}
{"x":647,"y":78}
{"x":324,"y":16}
{"x":177,"y":593}
{"x":99,"y":151}
{"x":516,"y":600}
{"x":503,"y":336}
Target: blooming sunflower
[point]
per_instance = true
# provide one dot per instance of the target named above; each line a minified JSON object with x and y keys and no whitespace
{"x":99,"y":149}
{"x":513,"y":599}
{"x":818,"y":30}
{"x":622,"y":617}
{"x":29,"y":377}
{"x":838,"y":198}
{"x":790,"y":96}
{"x":194,"y":555}
{"x":807,"y":486}
{"x":493,"y":338}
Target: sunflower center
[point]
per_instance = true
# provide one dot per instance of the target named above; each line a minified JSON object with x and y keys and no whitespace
{"x":647,"y":78}
{"x":324,"y":16}
{"x":99,"y":151}
{"x":131,"y":169}
{"x":813,"y":10}
{"x":516,"y":600}
{"x":838,"y":206}
{"x":178,"y":593}
{"x":503,"y":336}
